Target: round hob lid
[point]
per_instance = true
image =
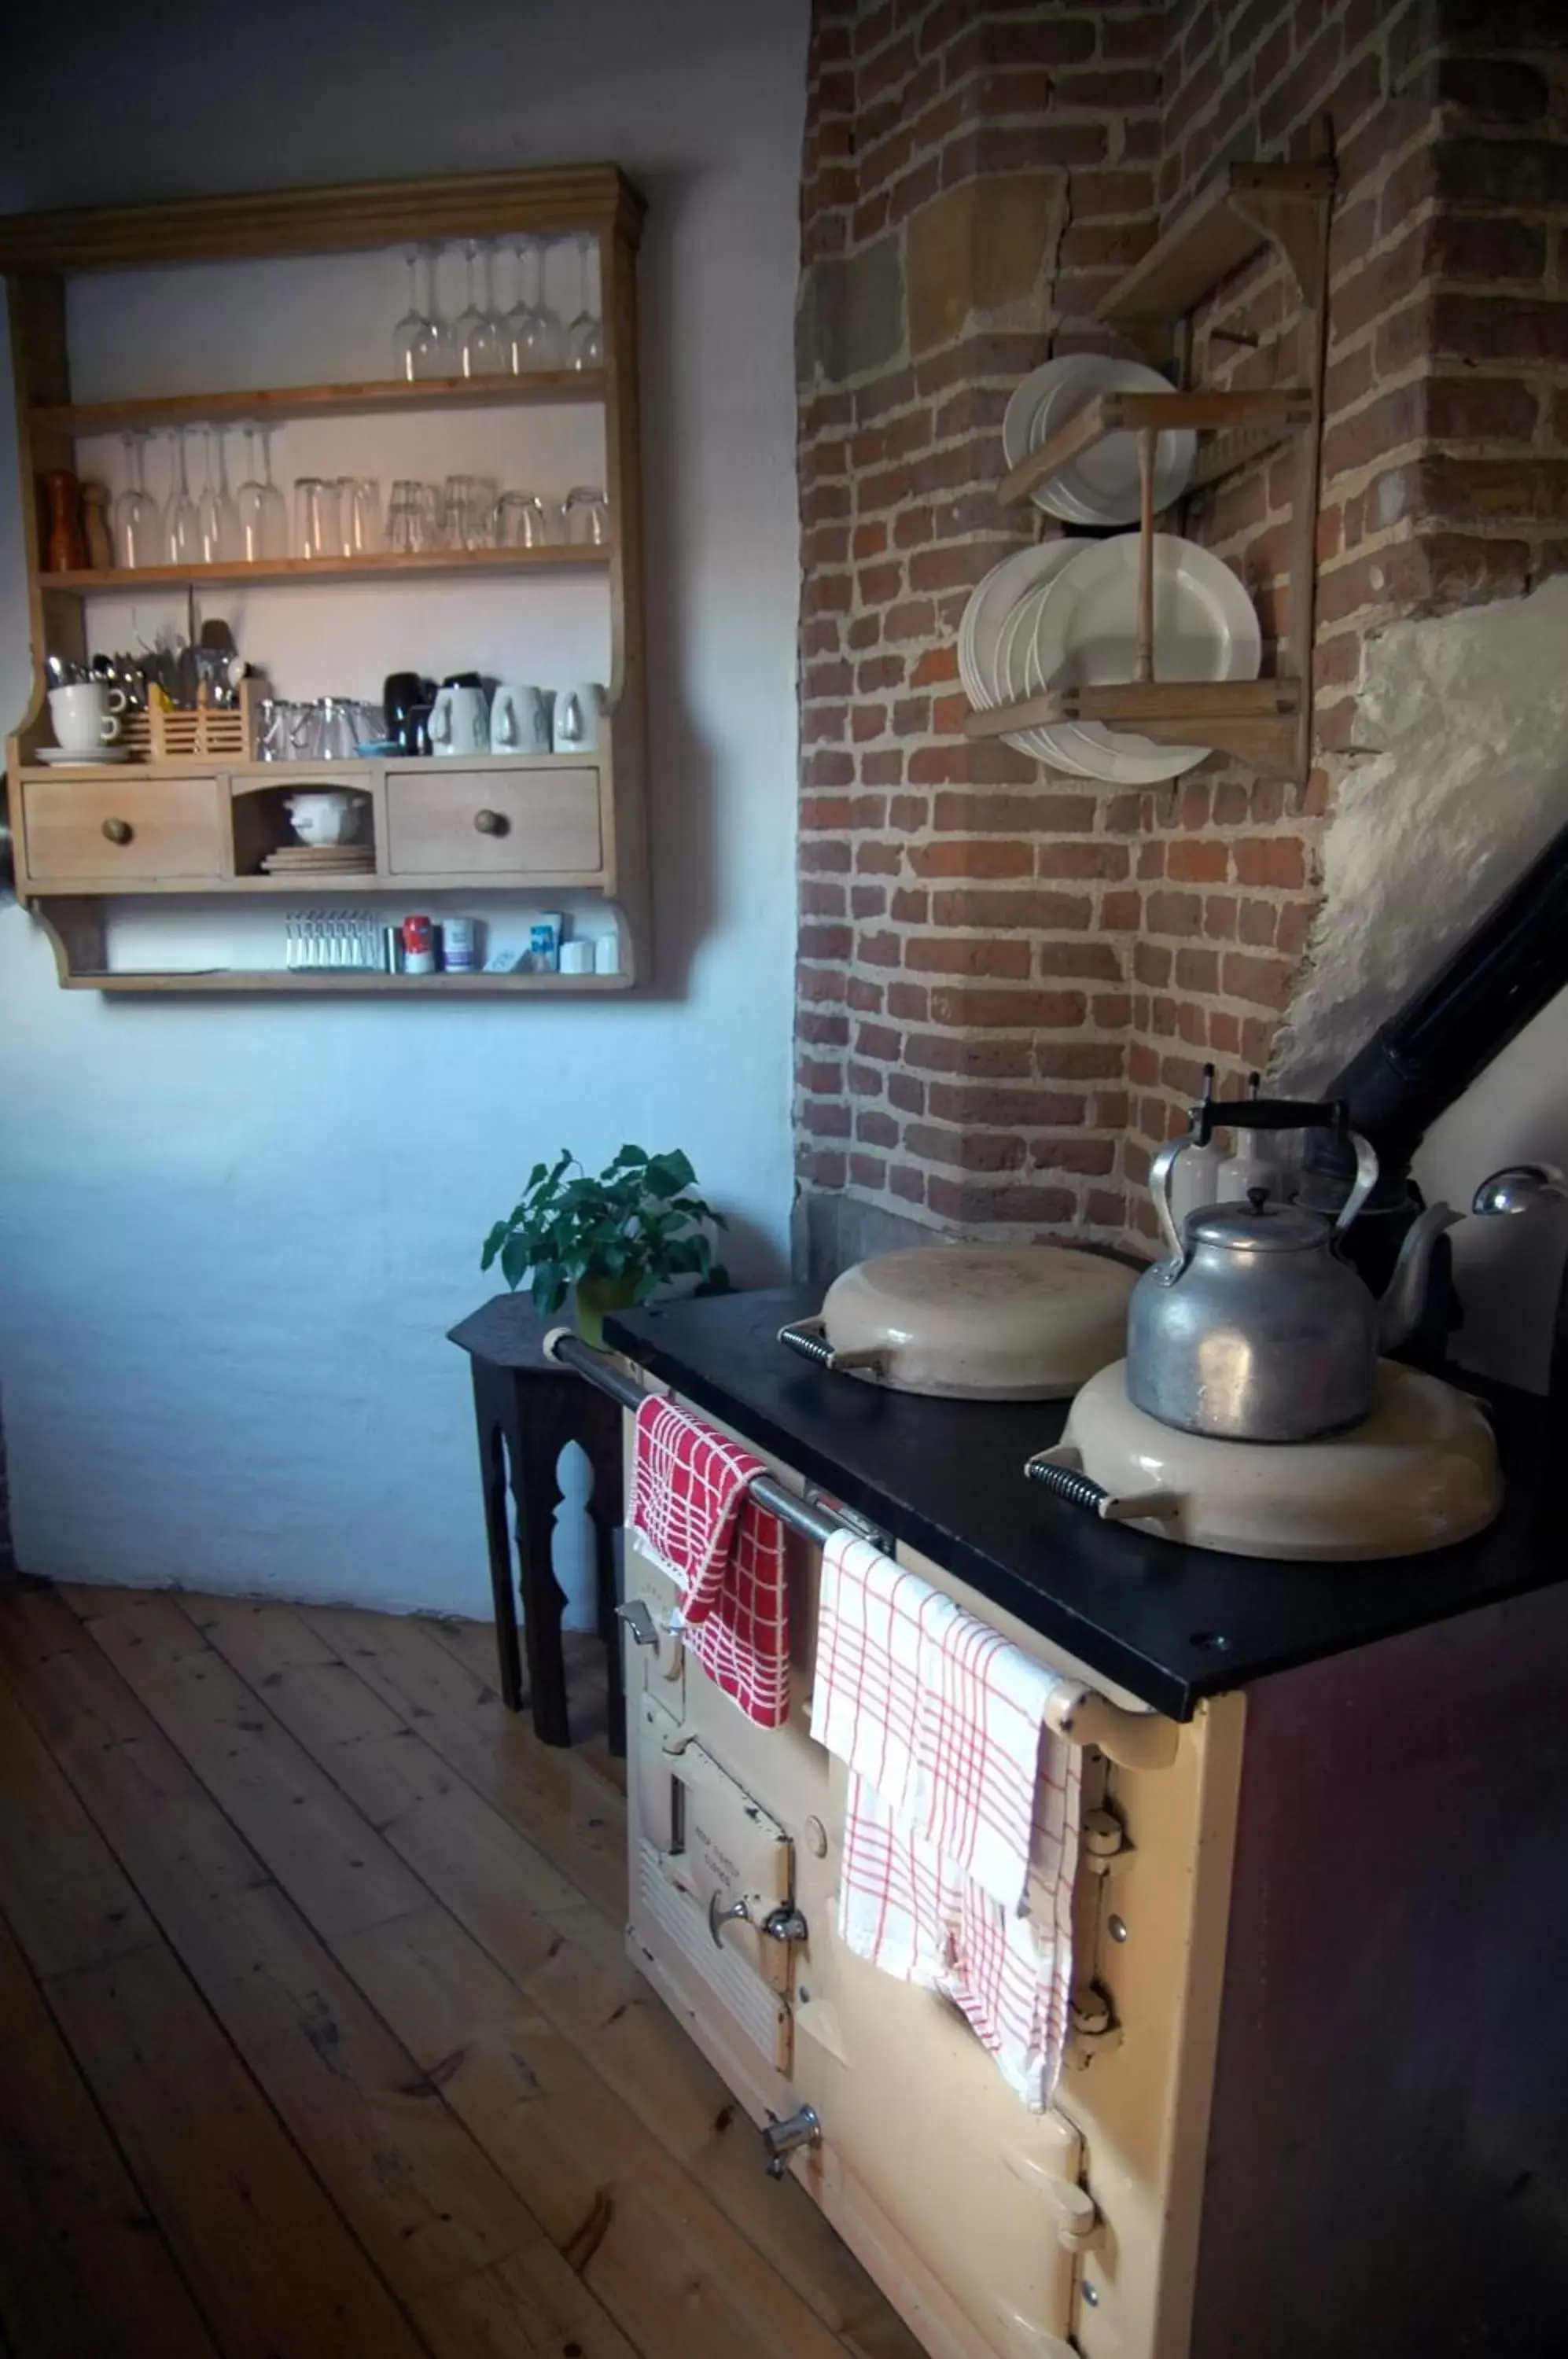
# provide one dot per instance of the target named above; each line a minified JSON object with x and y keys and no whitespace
{"x":995,"y":1322}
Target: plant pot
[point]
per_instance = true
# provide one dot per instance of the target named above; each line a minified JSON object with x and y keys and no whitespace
{"x":591,"y":1297}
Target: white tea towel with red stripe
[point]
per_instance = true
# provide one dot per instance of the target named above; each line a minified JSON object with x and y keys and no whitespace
{"x":960,"y":1842}
{"x":692,"y":1511}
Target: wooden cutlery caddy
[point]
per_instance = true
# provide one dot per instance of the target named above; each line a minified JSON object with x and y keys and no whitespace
{"x":201,"y":733}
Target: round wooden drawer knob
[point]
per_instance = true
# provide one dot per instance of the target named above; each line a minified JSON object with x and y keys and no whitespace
{"x":118,"y":830}
{"x":490,"y":822}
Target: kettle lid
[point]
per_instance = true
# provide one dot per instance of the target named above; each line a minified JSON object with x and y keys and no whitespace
{"x":1260,"y":1225}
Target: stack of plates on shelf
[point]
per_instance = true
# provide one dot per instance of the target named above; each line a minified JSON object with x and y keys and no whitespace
{"x":1100,"y":486}
{"x":295,"y":859}
{"x":1065,"y":615}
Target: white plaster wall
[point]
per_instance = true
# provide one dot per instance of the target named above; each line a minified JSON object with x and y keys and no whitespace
{"x":232,"y":1236}
{"x":1463,"y":720}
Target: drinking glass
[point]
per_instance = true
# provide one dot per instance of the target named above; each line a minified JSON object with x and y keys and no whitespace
{"x":416,"y":339}
{"x":179,"y":532}
{"x":477,"y":332}
{"x":263,"y":521}
{"x":584,"y":334}
{"x":532,"y":331}
{"x":217,"y":518}
{"x":407,"y":531}
{"x":467,"y":510}
{"x":359,"y":515}
{"x":133,"y":517}
{"x":587,"y":516}
{"x":522,"y":521}
{"x":317,"y":534}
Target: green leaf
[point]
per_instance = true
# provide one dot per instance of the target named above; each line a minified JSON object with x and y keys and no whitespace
{"x":629,"y":1155}
{"x":517,"y":1260}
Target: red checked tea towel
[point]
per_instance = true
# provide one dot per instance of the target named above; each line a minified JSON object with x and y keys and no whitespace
{"x":692,"y":1512}
{"x":960,"y":1845}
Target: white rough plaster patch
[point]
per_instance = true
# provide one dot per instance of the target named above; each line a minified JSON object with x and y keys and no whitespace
{"x":1468,"y":715}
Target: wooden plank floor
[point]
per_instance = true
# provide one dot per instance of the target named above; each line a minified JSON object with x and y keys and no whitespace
{"x":316,"y":2031}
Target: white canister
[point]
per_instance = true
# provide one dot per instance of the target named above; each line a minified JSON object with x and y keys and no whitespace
{"x":457,"y":945}
{"x":578,"y":713}
{"x":576,"y":958}
{"x":607,"y":954}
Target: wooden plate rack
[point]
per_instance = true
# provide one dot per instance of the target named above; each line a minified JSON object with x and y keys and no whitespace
{"x":1264,"y":723}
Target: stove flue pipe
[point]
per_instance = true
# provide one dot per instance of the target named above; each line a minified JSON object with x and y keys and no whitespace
{"x":1507,"y":968}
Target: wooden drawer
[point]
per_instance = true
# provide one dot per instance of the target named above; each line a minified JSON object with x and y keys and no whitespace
{"x":446,"y":821}
{"x":121,"y":830}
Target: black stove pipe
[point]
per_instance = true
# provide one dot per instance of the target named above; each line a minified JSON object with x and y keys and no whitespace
{"x":1507,"y":968}
{"x":1510,"y":966}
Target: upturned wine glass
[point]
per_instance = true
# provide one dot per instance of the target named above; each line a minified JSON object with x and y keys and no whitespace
{"x":584,"y":333}
{"x":476,"y":332}
{"x":416,"y":339}
{"x":217,"y":518}
{"x":134,"y":518}
{"x":179,"y":528}
{"x":532,"y":331}
{"x":263,"y":517}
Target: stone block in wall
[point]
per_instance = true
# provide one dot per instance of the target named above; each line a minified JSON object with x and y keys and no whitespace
{"x":982,"y":249}
{"x":850,"y":317}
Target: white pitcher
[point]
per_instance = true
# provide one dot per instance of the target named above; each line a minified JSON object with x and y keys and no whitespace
{"x":460,"y":722}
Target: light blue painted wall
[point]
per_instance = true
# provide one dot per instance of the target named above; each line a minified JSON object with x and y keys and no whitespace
{"x":232,"y":1236}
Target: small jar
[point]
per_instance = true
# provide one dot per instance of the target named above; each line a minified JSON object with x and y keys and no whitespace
{"x":419,"y":945}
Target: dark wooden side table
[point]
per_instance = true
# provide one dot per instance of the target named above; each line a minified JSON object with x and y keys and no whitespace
{"x":528,"y":1407}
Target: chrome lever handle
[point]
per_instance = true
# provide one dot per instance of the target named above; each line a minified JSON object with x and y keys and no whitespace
{"x":737,"y":1913}
{"x":641,"y":1626}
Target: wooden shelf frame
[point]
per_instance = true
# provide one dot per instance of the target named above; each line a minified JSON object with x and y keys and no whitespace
{"x":294,"y":573}
{"x":39,"y":251}
{"x":1246,"y":208}
{"x":274,"y":405}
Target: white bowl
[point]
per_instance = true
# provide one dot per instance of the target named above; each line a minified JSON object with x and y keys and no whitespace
{"x":330,"y":816}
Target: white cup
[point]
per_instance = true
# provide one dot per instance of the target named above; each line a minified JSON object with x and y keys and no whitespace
{"x":519,"y":720}
{"x":607,"y":954}
{"x":576,"y":958}
{"x":578,"y":713}
{"x":86,"y":715}
{"x":460,"y":722}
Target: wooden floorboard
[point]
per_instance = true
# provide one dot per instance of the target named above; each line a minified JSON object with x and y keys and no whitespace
{"x":401,"y":1920}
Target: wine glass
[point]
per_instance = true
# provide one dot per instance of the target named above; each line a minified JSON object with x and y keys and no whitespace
{"x":133,"y":517}
{"x":477,"y":332}
{"x":439,"y":357}
{"x":532,"y":331}
{"x":263,"y":518}
{"x":416,"y":339}
{"x":584,"y":334}
{"x":217,"y":518}
{"x":179,"y":528}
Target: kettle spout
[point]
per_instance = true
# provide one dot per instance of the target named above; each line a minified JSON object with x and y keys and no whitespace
{"x":1400,"y":1306}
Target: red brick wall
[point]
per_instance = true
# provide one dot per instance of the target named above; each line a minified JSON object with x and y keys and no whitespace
{"x":1009,"y":981}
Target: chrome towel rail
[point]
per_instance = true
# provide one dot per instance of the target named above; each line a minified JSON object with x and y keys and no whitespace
{"x":1138,"y":1740}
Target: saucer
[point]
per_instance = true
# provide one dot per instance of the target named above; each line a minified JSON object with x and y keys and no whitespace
{"x":62,"y":755}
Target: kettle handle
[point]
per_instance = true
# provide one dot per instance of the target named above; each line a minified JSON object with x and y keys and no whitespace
{"x":1365,"y":1181}
{"x":1159,"y":1184}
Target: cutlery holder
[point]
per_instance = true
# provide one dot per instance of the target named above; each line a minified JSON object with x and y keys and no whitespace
{"x":203,"y":731}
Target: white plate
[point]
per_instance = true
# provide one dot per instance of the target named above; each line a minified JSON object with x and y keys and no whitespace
{"x":1100,"y":486}
{"x":992,"y":601}
{"x":106,"y":753}
{"x":1018,"y":422}
{"x":1045,"y":744}
{"x":1085,"y":634}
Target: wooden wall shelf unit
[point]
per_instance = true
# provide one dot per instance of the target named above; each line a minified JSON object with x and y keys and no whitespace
{"x":530,"y":826}
{"x":1264,"y":723}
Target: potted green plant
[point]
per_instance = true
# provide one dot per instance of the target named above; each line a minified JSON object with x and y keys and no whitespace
{"x":613,"y":1239}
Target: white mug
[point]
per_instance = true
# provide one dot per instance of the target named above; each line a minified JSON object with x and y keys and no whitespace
{"x":519,"y":720}
{"x":576,"y":958}
{"x":86,"y":715}
{"x":578,"y":713}
{"x":460,"y":722}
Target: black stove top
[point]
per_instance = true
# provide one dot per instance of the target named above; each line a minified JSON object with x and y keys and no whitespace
{"x":1170,"y":1624}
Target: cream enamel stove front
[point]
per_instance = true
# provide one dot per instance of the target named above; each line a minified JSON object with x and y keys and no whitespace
{"x":998,"y":2233}
{"x":1419,"y":1473}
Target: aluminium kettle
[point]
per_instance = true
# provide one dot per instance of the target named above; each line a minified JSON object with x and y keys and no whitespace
{"x":1252,"y":1328}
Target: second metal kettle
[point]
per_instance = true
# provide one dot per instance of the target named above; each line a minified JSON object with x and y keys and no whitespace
{"x":1253,"y":1329}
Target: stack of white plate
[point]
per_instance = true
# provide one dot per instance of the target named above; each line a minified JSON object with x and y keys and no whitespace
{"x":1100,"y":486}
{"x":1065,"y":615}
